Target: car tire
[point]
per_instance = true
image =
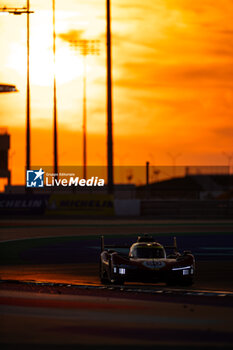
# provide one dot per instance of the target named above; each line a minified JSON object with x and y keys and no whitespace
{"x":118,"y":282}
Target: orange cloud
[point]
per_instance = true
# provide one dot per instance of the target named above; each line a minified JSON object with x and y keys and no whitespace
{"x":172,"y":81}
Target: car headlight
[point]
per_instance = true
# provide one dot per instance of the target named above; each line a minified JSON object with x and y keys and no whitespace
{"x":186,"y":270}
{"x":120,"y":270}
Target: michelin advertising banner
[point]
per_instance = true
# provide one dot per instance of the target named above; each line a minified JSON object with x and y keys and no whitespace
{"x":80,"y":204}
{"x":23,"y":204}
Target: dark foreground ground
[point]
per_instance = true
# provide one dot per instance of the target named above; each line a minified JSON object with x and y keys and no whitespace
{"x":42,"y":317}
{"x":59,"y":316}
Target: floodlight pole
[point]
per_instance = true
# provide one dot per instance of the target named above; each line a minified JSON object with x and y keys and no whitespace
{"x":54,"y":97}
{"x":109,"y":104}
{"x":229,"y":157}
{"x":84,"y":118}
{"x":174,"y":157}
{"x":28,"y":121}
{"x":19,"y":11}
{"x":86,"y":47}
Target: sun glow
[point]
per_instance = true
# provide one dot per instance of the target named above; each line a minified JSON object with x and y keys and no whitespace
{"x":69,"y":65}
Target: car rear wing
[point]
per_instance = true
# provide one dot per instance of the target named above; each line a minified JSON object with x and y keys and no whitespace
{"x":109,"y":246}
{"x":174,"y":246}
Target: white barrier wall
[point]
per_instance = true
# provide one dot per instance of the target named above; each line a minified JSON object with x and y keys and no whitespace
{"x":127,"y":207}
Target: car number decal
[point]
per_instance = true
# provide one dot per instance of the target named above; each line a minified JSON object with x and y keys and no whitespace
{"x":154,"y":265}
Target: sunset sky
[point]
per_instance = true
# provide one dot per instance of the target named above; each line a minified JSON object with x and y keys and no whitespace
{"x":172,"y":82}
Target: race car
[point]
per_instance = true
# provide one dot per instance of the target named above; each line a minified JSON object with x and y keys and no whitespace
{"x":148,"y":261}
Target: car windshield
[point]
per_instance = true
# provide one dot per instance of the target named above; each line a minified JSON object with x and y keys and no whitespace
{"x":148,"y":253}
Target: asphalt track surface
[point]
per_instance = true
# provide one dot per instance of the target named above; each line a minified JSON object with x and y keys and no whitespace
{"x":61,"y":315}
